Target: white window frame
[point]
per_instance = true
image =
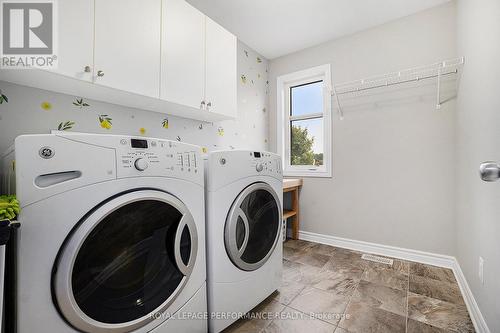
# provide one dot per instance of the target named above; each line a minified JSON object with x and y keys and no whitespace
{"x":284,"y":83}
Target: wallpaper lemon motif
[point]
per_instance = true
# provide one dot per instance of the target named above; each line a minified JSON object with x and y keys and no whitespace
{"x":3,"y":98}
{"x":164,"y":123}
{"x":64,"y":126}
{"x":80,"y":103}
{"x":105,"y":121}
{"x":76,"y":113}
{"x":46,"y":106}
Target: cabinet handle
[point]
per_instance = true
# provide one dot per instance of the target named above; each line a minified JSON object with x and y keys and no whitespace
{"x":87,"y":69}
{"x":202,"y":105}
{"x":209,"y":105}
{"x":100,"y":73}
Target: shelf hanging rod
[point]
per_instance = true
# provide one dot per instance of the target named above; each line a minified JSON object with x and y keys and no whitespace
{"x":451,"y":63}
{"x":387,"y":84}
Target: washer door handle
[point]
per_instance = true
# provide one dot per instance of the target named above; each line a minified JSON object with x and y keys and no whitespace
{"x":186,"y":221}
{"x":234,"y":252}
{"x":244,"y":218}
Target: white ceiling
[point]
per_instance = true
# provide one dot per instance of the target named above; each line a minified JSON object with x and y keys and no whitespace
{"x":278,"y":27}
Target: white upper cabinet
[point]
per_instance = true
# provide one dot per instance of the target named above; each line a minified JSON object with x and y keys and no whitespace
{"x":127,"y":45}
{"x":183,"y":54}
{"x":198,"y":60}
{"x":158,"y":55}
{"x":76,"y":39}
{"x":221,"y":75}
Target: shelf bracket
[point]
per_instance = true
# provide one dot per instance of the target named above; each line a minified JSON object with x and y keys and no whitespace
{"x":337,"y":102}
{"x":438,"y":97}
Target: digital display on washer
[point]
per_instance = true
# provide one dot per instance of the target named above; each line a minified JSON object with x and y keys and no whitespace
{"x":256,"y":154}
{"x":137,"y":143}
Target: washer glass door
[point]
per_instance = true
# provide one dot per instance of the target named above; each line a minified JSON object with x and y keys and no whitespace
{"x":128,"y":259}
{"x":253,"y":226}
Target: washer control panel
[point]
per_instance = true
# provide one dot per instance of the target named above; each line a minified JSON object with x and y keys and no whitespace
{"x":156,"y":157}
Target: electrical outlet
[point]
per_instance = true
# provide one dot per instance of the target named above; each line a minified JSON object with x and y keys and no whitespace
{"x":481,"y":270}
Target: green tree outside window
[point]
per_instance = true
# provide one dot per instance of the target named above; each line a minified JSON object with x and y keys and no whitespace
{"x":302,"y":148}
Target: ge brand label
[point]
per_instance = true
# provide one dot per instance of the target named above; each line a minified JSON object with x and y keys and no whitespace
{"x":46,"y":152}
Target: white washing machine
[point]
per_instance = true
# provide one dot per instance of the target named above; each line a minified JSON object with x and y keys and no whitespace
{"x":112,"y":235}
{"x":244,"y":192}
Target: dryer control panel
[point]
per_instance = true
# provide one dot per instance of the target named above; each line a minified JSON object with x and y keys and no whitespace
{"x":225,"y":167}
{"x":265,"y":163}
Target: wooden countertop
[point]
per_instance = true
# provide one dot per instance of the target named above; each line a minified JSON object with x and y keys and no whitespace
{"x":291,"y":182}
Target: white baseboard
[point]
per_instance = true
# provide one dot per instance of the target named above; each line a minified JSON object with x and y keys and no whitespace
{"x":470,"y":301}
{"x":410,"y":255}
{"x":383,"y":250}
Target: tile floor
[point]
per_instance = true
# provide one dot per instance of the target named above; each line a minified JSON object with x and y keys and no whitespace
{"x":329,"y":289}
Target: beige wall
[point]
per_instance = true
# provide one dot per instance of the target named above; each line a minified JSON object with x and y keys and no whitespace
{"x":478,"y":135}
{"x":394,"y":153}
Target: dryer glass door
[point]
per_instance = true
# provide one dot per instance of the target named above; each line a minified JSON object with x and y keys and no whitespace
{"x":253,"y":226}
{"x":128,"y":259}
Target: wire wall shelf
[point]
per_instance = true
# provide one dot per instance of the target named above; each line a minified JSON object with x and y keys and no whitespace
{"x":437,"y":71}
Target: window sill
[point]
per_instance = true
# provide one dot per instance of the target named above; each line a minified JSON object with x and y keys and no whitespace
{"x":304,"y":173}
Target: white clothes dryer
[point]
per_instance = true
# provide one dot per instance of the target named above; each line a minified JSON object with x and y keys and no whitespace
{"x":244,"y":192}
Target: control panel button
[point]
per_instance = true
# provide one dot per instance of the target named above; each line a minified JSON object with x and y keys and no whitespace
{"x":187,"y":160}
{"x":193,"y":160}
{"x":259,"y":167}
{"x":141,"y":164}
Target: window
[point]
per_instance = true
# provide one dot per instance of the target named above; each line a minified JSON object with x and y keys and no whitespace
{"x":304,"y":122}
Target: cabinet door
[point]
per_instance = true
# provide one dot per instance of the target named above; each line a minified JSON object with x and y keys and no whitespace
{"x":75,"y":38}
{"x":221,"y":77}
{"x":127,"y":45}
{"x":183,"y":54}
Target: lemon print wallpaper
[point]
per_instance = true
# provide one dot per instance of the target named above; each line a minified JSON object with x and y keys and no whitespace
{"x":26,"y":110}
